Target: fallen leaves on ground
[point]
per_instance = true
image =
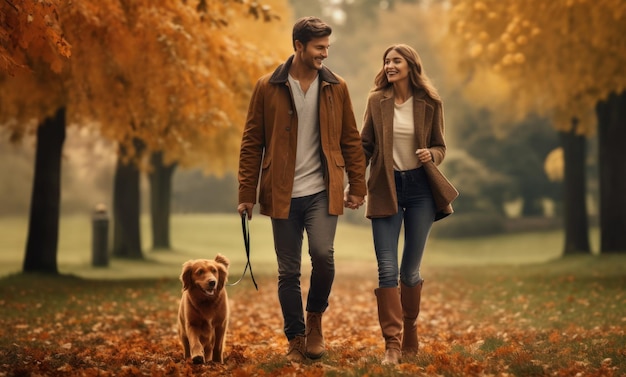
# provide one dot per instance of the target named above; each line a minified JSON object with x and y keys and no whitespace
{"x":109,"y":329}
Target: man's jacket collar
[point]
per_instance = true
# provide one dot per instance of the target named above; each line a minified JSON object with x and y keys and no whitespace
{"x":281,"y":74}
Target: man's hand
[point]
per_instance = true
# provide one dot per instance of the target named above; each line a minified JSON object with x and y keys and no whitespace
{"x":245,"y":207}
{"x":353,"y":201}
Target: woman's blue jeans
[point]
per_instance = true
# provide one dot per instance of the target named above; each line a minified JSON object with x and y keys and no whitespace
{"x":416,"y":209}
{"x":308,"y":213}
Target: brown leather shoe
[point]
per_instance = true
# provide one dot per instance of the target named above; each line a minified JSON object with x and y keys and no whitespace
{"x":392,"y":356}
{"x":315,"y":347}
{"x":296,"y":349}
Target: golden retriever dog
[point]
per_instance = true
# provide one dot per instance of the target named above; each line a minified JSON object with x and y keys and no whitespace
{"x":203,"y":312}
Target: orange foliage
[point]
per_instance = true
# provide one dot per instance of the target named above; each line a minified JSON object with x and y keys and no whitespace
{"x":559,"y":57}
{"x":166,"y":73}
{"x":117,"y":328}
{"x":31,"y":30}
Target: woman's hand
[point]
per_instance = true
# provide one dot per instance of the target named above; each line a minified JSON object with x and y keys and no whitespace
{"x":424,"y":155}
{"x":352,"y":201}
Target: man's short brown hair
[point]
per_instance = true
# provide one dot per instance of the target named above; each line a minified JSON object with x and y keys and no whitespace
{"x":307,"y":28}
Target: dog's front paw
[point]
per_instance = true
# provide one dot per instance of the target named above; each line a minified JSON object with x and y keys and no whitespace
{"x":199,"y":359}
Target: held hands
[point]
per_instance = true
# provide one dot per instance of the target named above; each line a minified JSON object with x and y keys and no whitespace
{"x":424,"y":155}
{"x":352,"y":201}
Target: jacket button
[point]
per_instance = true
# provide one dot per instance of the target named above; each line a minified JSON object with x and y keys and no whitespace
{"x":290,"y":112}
{"x":288,"y":128}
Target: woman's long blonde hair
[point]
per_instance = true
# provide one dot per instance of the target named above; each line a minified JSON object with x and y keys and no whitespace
{"x":417,"y":77}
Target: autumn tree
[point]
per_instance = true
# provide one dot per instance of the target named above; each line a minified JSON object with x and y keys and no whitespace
{"x":30,"y":35}
{"x":246,"y":49}
{"x":138,"y":72}
{"x":33,"y":51}
{"x":565,"y":59}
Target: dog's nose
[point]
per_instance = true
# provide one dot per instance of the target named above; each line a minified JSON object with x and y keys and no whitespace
{"x":212,"y":284}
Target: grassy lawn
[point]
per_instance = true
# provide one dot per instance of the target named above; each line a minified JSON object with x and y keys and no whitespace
{"x":497,"y":306}
{"x":202,"y":236}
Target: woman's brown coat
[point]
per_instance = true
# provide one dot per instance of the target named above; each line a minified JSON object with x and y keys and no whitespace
{"x":377,"y":139}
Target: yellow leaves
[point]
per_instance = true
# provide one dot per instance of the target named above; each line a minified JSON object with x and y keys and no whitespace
{"x":476,"y":50}
{"x":513,"y":58}
{"x":160,"y":67}
{"x":480,"y":6}
{"x":560,"y":57}
{"x":507,"y":60}
{"x":460,"y":27}
{"x":554,"y":165}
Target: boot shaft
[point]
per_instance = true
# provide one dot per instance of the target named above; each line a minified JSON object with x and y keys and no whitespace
{"x":390,"y":315}
{"x":410,"y":298}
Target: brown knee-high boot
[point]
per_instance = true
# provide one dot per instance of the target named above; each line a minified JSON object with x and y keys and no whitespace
{"x":390,"y":318}
{"x":410,"y":297}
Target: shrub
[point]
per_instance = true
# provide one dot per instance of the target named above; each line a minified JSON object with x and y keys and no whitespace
{"x":469,"y":225}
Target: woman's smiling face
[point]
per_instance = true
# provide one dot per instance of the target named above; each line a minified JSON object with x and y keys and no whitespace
{"x":396,"y":67}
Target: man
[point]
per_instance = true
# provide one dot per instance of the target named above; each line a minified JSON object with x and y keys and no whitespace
{"x":299,"y":138}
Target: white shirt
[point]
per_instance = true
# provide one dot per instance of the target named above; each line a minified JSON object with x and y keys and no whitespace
{"x":404,"y":143}
{"x":309,"y":177}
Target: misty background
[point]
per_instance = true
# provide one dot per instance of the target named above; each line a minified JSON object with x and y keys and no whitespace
{"x":499,"y":165}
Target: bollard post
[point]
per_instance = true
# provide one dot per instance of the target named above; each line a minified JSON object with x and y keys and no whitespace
{"x":100,"y":236}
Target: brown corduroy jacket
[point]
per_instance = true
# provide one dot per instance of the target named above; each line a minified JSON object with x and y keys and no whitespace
{"x":377,"y":139}
{"x":268,"y":146}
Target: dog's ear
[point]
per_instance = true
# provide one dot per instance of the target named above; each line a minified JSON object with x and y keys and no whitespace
{"x":185,"y":276}
{"x":223,"y":276}
{"x":219,"y":258}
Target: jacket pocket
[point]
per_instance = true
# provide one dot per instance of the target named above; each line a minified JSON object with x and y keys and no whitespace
{"x":265,"y":188}
{"x":339,"y":161}
{"x":266,"y":162}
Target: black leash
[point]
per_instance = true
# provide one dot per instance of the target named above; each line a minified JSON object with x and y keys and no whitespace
{"x":246,"y":241}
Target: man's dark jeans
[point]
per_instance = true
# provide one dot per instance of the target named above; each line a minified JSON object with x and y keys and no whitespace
{"x":308,"y":213}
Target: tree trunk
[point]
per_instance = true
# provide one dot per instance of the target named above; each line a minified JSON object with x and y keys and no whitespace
{"x":574,"y":193}
{"x":126,"y":208}
{"x":532,"y":205}
{"x":43,"y":227}
{"x":612,"y":170}
{"x":160,"y":200}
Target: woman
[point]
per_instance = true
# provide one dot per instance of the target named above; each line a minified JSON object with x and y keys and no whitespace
{"x":403,"y":133}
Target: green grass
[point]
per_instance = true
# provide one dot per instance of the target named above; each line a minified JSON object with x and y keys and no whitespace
{"x":554,"y":294}
{"x":203,"y":236}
